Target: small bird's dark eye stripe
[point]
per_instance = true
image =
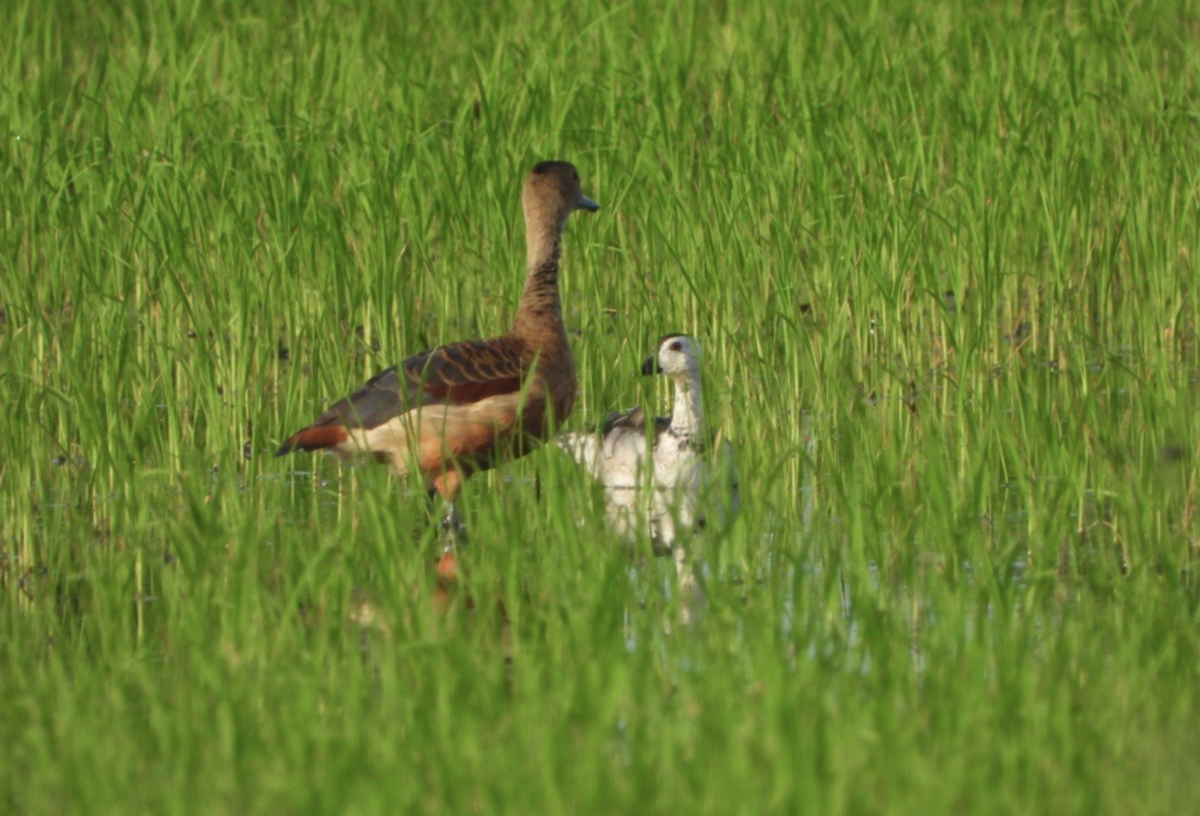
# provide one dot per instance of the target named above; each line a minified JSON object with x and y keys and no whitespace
{"x":676,"y":346}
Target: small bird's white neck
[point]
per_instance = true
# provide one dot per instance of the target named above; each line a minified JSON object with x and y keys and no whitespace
{"x":686,"y":417}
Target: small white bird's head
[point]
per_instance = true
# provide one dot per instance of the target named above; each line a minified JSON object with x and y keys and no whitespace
{"x":678,"y":356}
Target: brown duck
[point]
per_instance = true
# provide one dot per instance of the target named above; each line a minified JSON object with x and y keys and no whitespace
{"x":444,"y":414}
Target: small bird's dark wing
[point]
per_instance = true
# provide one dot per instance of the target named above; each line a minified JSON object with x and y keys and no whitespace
{"x":631,"y":420}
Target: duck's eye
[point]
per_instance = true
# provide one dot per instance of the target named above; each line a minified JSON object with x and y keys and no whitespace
{"x":677,"y":346}
{"x":575,"y":176}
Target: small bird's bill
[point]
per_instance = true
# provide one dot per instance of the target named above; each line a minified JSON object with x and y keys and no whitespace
{"x":586,"y":203}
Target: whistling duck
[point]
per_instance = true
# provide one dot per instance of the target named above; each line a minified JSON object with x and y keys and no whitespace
{"x":678,"y":467}
{"x":444,"y":414}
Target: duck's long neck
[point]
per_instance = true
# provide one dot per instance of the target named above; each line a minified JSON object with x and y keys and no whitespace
{"x":539,"y":315}
{"x":687,"y":416}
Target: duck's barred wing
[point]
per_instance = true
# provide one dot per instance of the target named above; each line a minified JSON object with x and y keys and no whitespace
{"x":456,"y":374}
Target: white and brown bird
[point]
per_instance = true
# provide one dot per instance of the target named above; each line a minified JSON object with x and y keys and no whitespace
{"x":444,"y":414}
{"x":667,"y":477}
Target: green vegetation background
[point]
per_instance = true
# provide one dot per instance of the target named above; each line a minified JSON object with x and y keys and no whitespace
{"x":940,"y":259}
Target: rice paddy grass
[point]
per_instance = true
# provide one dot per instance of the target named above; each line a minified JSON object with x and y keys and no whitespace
{"x":939,"y":256}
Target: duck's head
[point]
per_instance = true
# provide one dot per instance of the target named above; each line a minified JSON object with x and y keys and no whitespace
{"x":677,"y":355}
{"x":552,"y":192}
